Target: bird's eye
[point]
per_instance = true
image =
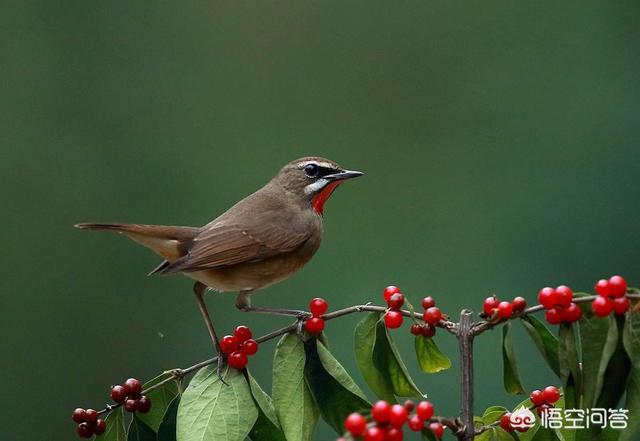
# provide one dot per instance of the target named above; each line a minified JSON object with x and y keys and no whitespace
{"x":311,"y":170}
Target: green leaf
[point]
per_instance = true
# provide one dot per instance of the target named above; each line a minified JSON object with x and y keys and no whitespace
{"x":617,"y":371}
{"x":544,"y":340}
{"x":295,"y":407}
{"x":511,"y":379}
{"x":430,"y":358}
{"x":333,"y":389}
{"x":427,"y":435}
{"x":267,"y":426}
{"x":598,"y":341}
{"x":569,"y":367}
{"x":213,"y":411}
{"x":631,"y":340}
{"x":545,"y":435}
{"x":115,"y":427}
{"x":160,"y":399}
{"x":139,"y":431}
{"x":365,"y":345}
{"x":167,"y":430}
{"x":379,"y":361}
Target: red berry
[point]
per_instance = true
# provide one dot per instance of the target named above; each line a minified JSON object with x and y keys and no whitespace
{"x":355,"y":424}
{"x":314,"y":325}
{"x":617,"y":286}
{"x":389,"y":291}
{"x":536,"y":397}
{"x":242,"y":333}
{"x":393,"y":319}
{"x":542,"y":409}
{"x":393,"y":434}
{"x":396,"y":301}
{"x":602,"y":306}
{"x":84,"y":430}
{"x":428,"y":302}
{"x":571,"y":313}
{"x":551,"y":394}
{"x":318,"y":306}
{"x":144,"y":404}
{"x":132,"y":387}
{"x":118,"y":394}
{"x":237,"y":360}
{"x":547,"y":297}
{"x":381,"y":411}
{"x":602,"y":287}
{"x":398,"y":415}
{"x":409,"y":405}
{"x":519,"y":303}
{"x":505,"y":422}
{"x":416,"y":423}
{"x":490,"y":304}
{"x":91,"y":416}
{"x":250,"y":347}
{"x":79,"y":415}
{"x":437,"y":429}
{"x":101,"y":426}
{"x":505,"y":309}
{"x":564,"y":295}
{"x":374,"y":434}
{"x":553,"y":316}
{"x":131,"y":405}
{"x":621,"y":305}
{"x":416,"y":329}
{"x":424,"y":410}
{"x":229,"y":344}
{"x":432,"y":315}
{"x":428,"y":330}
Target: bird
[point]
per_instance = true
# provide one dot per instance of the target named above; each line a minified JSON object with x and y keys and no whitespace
{"x":260,"y":241}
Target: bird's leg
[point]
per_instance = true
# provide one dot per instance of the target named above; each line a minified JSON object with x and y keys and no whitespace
{"x":243,"y":303}
{"x":199,"y":289}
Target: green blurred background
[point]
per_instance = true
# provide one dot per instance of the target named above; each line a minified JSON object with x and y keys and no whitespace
{"x":500,"y":142}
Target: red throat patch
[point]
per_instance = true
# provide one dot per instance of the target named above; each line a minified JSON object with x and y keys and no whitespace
{"x":317,"y":202}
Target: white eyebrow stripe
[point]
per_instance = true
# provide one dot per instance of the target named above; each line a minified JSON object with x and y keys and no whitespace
{"x":315,"y":186}
{"x":319,"y":164}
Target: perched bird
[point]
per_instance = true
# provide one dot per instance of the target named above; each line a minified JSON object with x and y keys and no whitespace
{"x":261,"y":240}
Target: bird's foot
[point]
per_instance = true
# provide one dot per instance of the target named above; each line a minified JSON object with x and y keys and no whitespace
{"x":300,"y":319}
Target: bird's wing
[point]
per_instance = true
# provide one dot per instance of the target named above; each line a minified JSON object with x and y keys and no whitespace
{"x":224,"y":244}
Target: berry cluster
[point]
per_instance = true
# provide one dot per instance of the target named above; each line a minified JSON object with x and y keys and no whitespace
{"x":428,"y":329}
{"x":559,"y":305}
{"x":541,"y":400}
{"x":395,"y":299}
{"x":130,"y":396}
{"x":611,"y":297}
{"x":388,"y":419}
{"x":315,"y":325}
{"x":88,"y":423}
{"x":493,"y":307}
{"x":238,"y":347}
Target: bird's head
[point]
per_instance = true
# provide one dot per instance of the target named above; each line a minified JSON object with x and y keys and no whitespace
{"x":313,"y":179}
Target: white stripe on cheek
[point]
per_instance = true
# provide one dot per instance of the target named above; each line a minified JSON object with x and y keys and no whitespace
{"x":314,"y":187}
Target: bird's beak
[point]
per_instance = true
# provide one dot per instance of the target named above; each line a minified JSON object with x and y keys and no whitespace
{"x":343,"y":175}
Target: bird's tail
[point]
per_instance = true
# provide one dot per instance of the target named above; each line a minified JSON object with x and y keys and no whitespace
{"x":170,"y":242}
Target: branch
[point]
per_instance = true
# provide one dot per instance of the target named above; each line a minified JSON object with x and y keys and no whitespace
{"x":179,"y":373}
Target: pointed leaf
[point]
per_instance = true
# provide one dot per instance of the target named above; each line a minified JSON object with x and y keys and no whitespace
{"x":213,"y":411}
{"x":631,"y":339}
{"x":115,"y":427}
{"x":167,"y":430}
{"x":616,"y":372}
{"x":267,"y":426}
{"x":386,"y":355}
{"x":160,"y":399}
{"x":569,"y":368}
{"x":430,"y":358}
{"x":295,"y":407}
{"x":511,"y":379}
{"x":139,"y":431}
{"x":364,"y":346}
{"x":544,"y":340}
{"x":335,"y":392}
